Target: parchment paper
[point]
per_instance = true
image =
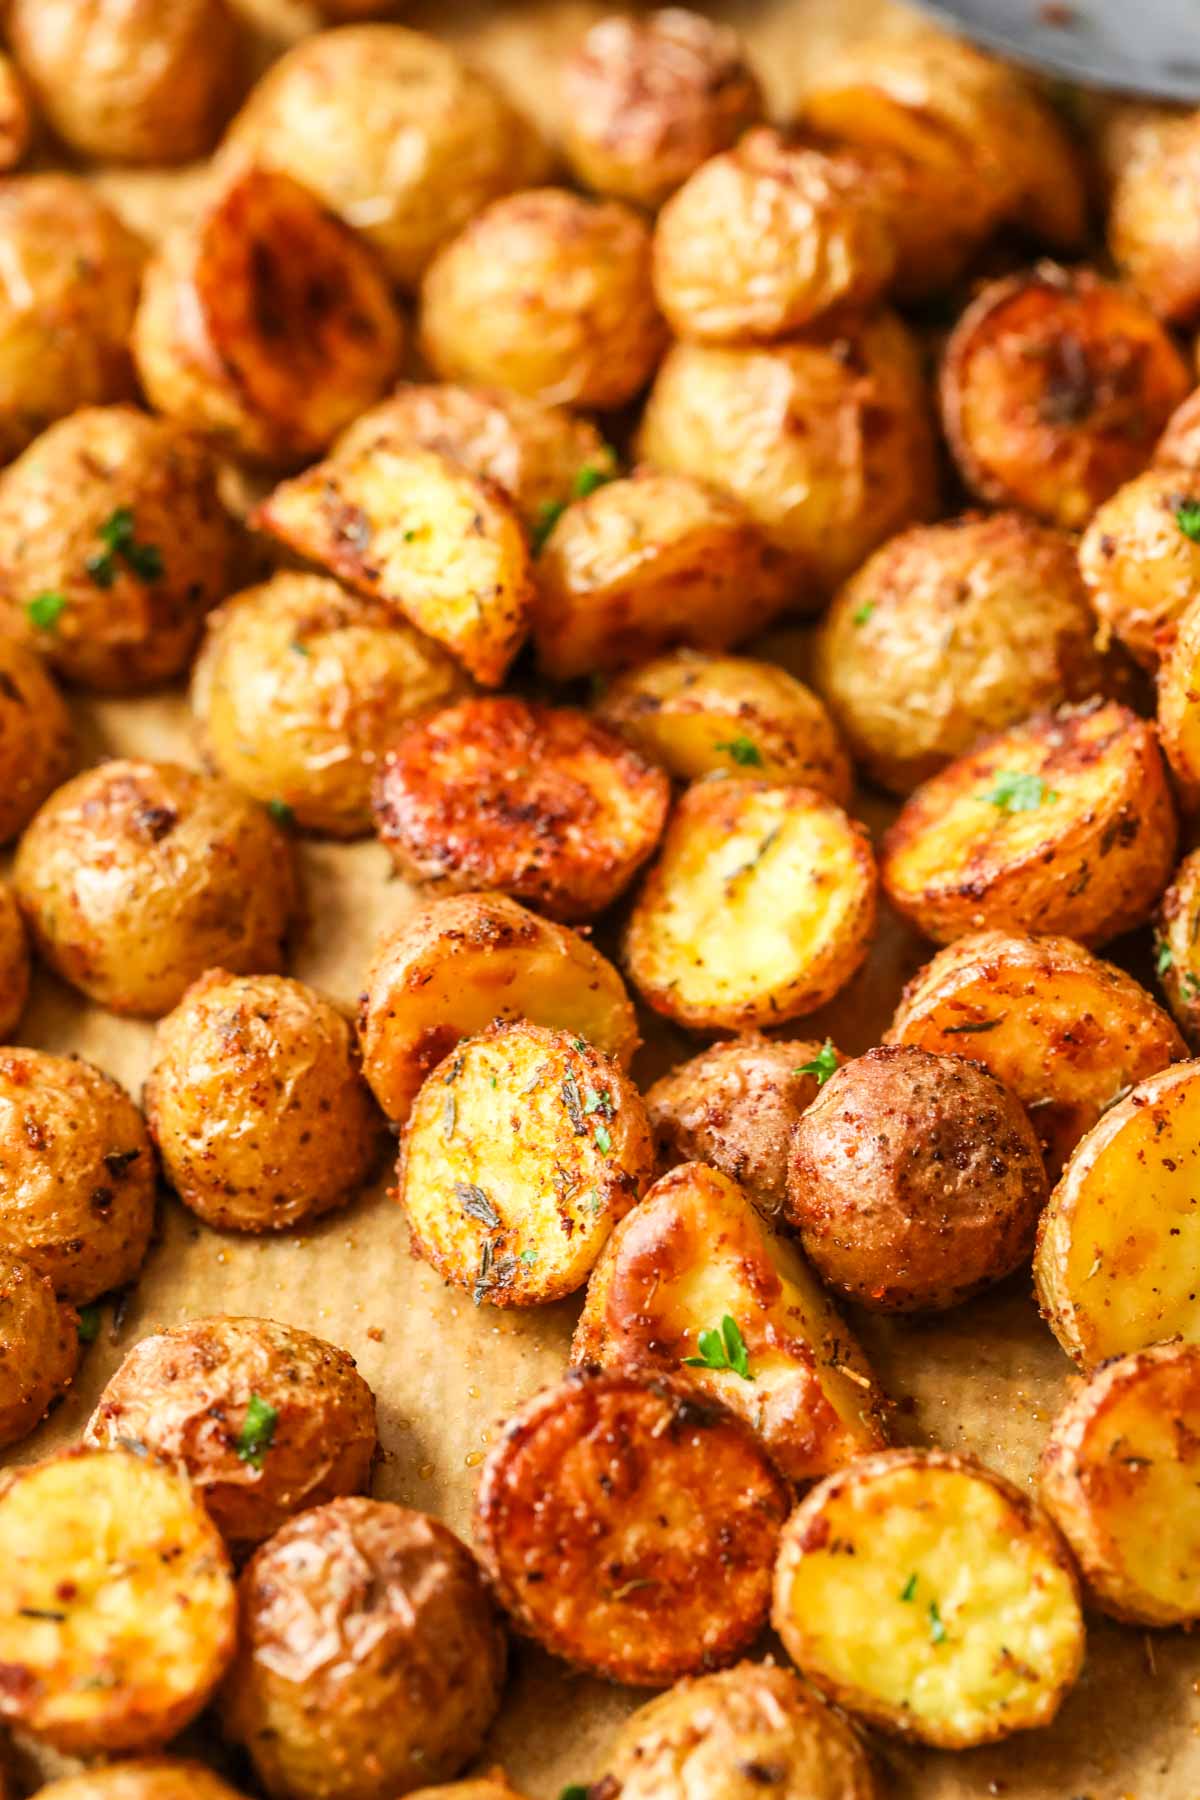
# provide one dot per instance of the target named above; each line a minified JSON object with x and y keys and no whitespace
{"x":987,"y":1377}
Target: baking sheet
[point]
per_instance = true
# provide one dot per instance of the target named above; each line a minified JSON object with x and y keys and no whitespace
{"x":986,"y":1378}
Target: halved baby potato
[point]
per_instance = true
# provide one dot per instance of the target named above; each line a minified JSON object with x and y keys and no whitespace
{"x":1177,"y":959}
{"x":1140,"y":559}
{"x":1179,"y":707}
{"x":928,"y":1595}
{"x":142,"y":1778}
{"x":693,"y":1255}
{"x":760,"y":907}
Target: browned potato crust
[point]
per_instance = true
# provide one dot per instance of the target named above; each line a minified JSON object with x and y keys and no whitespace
{"x":1063,"y":824}
{"x":538,"y":801}
{"x":370,"y":1658}
{"x":1177,"y":958}
{"x":16,"y":119}
{"x":145,"y":1778}
{"x":1153,"y":233}
{"x":113,"y":546}
{"x":1141,"y":566}
{"x":1055,"y":386}
{"x":549,"y":294}
{"x":14,"y":963}
{"x":35,"y":735}
{"x":494,"y":1786}
{"x":1179,"y":445}
{"x":647,"y":100}
{"x":195,"y":1395}
{"x":39,"y":1347}
{"x":78,"y":1173}
{"x":136,"y":877}
{"x":914,"y":1180}
{"x":953,"y":630}
{"x":1179,"y":707}
{"x":630,"y":1526}
{"x":451,"y":968}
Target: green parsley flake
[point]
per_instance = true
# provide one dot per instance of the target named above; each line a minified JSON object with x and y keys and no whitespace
{"x":257,"y":1433}
{"x":44,"y":609}
{"x":89,"y":1324}
{"x":281,"y":812}
{"x":603,"y":1139}
{"x":822,"y":1065}
{"x":575,"y":1790}
{"x":1187,"y":517}
{"x":862,"y":613}
{"x":1018,"y":792}
{"x":744,"y":751}
{"x":724,"y":1349}
{"x":1164,"y":959}
{"x":117,"y":535}
{"x":299,"y":648}
{"x":529,"y":1257}
{"x":909,"y":1588}
{"x":937,"y":1630}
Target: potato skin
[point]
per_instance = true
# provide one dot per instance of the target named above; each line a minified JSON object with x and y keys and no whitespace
{"x":952,"y":630}
{"x":1177,"y":962}
{"x":183,"y":1393}
{"x":127,"y":624}
{"x":39,"y":1348}
{"x":36,"y":739}
{"x":590,"y":810}
{"x":1081,"y":847}
{"x":1141,"y":569}
{"x":549,"y":294}
{"x":195,"y":877}
{"x":78,"y":1173}
{"x":494,"y":1786}
{"x":347,"y":1613}
{"x":1152,"y":232}
{"x":16,"y":118}
{"x":1054,"y":388}
{"x":666,"y":1496}
{"x":144,"y":1778}
{"x":14,"y":963}
{"x":1178,"y":709}
{"x":1179,"y":445}
{"x":451,"y":968}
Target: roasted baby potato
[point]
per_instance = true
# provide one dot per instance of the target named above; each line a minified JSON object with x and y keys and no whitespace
{"x":300,"y":687}
{"x":257,"y":1103}
{"x":692,"y":1276}
{"x":1152,"y":226}
{"x":1178,"y":951}
{"x":1140,"y":559}
{"x":113,"y":546}
{"x":1118,"y":1476}
{"x":265,"y":1419}
{"x":143,"y":1778}
{"x":437,"y":545}
{"x":1055,"y":386}
{"x":451,"y":968}
{"x":931,"y":1597}
{"x":136,"y":877}
{"x":392,"y":131}
{"x":370,"y":1658}
{"x":1066,"y":1033}
{"x":914,"y":1180}
{"x":117,"y":1608}
{"x":1179,"y":707}
{"x":35,"y":733}
{"x":64,"y":320}
{"x":825,"y":441}
{"x":39,"y":1347}
{"x":493,"y":1786}
{"x":1063,"y":824}
{"x":647,"y":100}
{"x":16,"y":119}
{"x":768,"y":238}
{"x":713,"y":1735}
{"x":702,"y":715}
{"x":14,"y":963}
{"x":267,"y":324}
{"x":522,"y":1150}
{"x":129,"y":80}
{"x":630,"y":1525}
{"x":759,"y":909}
{"x":1179,"y":445}
{"x":538,"y":801}
{"x":549,"y":294}
{"x":734,"y":1106}
{"x":77,"y":1172}
{"x":953,"y":630}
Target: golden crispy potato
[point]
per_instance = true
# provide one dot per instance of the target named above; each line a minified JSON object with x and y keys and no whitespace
{"x":1054,"y":388}
{"x":630,"y":1525}
{"x":39,"y":1347}
{"x":647,"y":562}
{"x":1062,"y":824}
{"x":16,"y":118}
{"x":538,"y":801}
{"x":393,"y":132}
{"x":714,"y":1735}
{"x":1117,"y":1243}
{"x":267,"y":324}
{"x":299,"y":688}
{"x":257,"y":1103}
{"x":136,"y":877}
{"x":734,"y":1106}
{"x":826,"y":440}
{"x":117,"y":1608}
{"x":265,"y":1419}
{"x":1140,"y":559}
{"x":759,"y":909}
{"x":522,"y":1150}
{"x":437,"y":545}
{"x":451,"y":968}
{"x":493,"y":1786}
{"x":703,"y":715}
{"x":1179,"y":445}
{"x":692,"y":1276}
{"x":1179,"y":707}
{"x":1152,"y":227}
{"x":64,"y":319}
{"x":77,"y":1173}
{"x":370,"y":1657}
{"x":767,"y":238}
{"x":953,"y":630}
{"x":647,"y":100}
{"x":914,"y":1180}
{"x":113,"y":546}
{"x":549,"y":294}
{"x":928,"y":1595}
{"x":35,"y":734}
{"x":14,"y":963}
{"x":144,"y":1778}
{"x":1066,"y":1033}
{"x":144,"y":81}
{"x":1177,"y":958}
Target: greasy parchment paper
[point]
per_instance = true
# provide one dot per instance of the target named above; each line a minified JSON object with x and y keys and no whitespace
{"x":985,"y":1378}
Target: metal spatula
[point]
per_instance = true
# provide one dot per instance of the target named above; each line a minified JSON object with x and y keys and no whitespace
{"x":1142,"y":46}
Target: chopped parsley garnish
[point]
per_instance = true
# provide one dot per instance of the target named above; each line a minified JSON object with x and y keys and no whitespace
{"x":1164,"y":959}
{"x":588,"y":479}
{"x":299,"y":648}
{"x":257,"y":1433}
{"x":529,"y":1257}
{"x":937,"y":1630}
{"x":724,"y":1349}
{"x":909,"y":1588}
{"x":744,"y":751}
{"x":575,"y":1790}
{"x":603,"y":1139}
{"x":862,"y":613}
{"x":822,"y":1065}
{"x":598,"y":1100}
{"x":1018,"y":792}
{"x":280,"y":811}
{"x":117,"y":535}
{"x":89,"y":1324}
{"x":1187,"y":517}
{"x":45,"y":608}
